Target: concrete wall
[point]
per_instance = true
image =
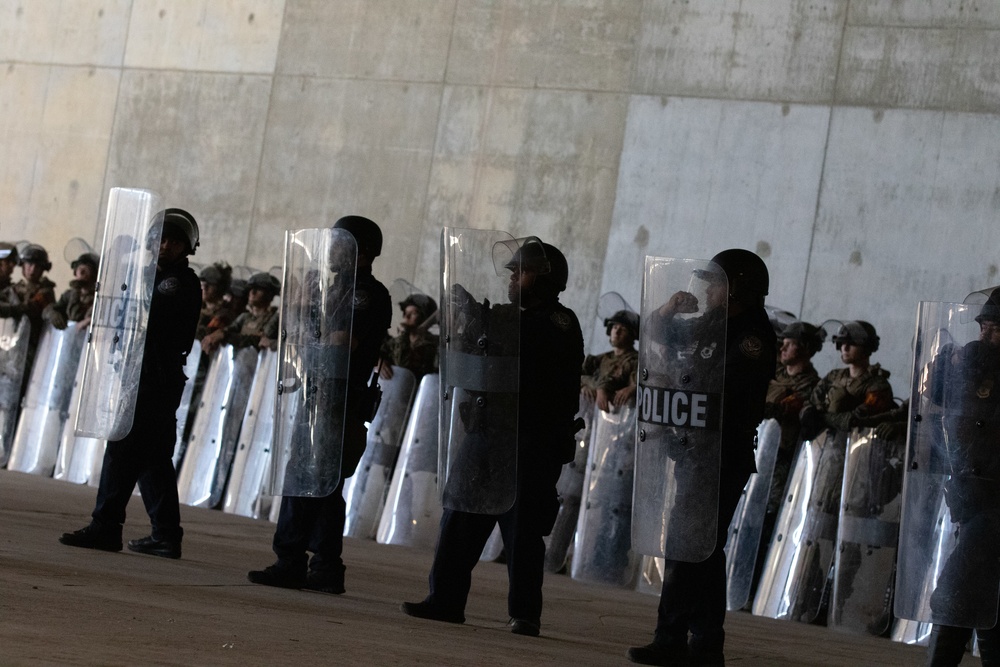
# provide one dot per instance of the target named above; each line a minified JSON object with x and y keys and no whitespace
{"x":851,"y":143}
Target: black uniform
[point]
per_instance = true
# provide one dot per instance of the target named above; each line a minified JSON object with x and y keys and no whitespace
{"x":317,"y":524}
{"x":693,"y":598}
{"x":144,"y":455}
{"x":551,"y":353}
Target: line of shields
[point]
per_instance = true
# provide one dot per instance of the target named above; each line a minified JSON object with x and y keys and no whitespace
{"x":641,"y":486}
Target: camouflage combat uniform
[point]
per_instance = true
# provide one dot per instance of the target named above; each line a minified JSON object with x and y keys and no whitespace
{"x":74,"y":305}
{"x":420,"y":358}
{"x":247,"y":329}
{"x":609,"y":371}
{"x":843,"y":399}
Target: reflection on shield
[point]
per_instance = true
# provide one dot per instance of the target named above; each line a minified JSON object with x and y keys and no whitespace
{"x":13,"y":354}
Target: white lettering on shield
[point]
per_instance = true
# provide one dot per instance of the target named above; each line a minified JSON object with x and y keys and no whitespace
{"x":676,"y":407}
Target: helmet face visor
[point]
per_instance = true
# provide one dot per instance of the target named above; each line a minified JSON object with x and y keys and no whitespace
{"x":524,"y":254}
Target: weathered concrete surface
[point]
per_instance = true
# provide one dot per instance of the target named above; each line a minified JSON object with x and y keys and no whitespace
{"x":534,"y":116}
{"x":73,"y":606}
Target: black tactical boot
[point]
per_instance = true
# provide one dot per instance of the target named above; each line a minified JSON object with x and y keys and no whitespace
{"x":278,"y":575}
{"x":431,"y":612}
{"x":325,"y":582}
{"x":154,"y":547}
{"x":523,"y":626}
{"x":95,"y":537}
{"x":669,"y":655}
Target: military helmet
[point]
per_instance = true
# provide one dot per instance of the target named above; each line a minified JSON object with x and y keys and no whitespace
{"x":238,"y":288}
{"x":424,"y":304}
{"x":219,"y":275}
{"x":991,"y":309}
{"x":8,"y":251}
{"x":627,"y":319}
{"x":858,"y":333}
{"x":366,"y":233}
{"x":811,"y":337}
{"x":88,"y":258}
{"x":35,"y":254}
{"x":746,"y":272}
{"x":264,"y":281}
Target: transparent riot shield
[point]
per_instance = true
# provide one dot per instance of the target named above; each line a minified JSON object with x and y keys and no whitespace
{"x":46,"y":401}
{"x":75,"y":461}
{"x":603,"y":551}
{"x":569,"y":486}
{"x":365,"y":490}
{"x":14,"y":335}
{"x":187,"y":395}
{"x":793,"y":583}
{"x":480,"y":334}
{"x":949,"y":555}
{"x":117,"y":337}
{"x":317,"y":311}
{"x":412,"y":511}
{"x":682,"y":349}
{"x":212,"y":445}
{"x":868,"y":533}
{"x":748,"y":519}
{"x":253,"y":452}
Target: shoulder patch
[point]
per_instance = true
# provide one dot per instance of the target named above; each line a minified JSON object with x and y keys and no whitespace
{"x":561,"y":320}
{"x":169,"y":286}
{"x":751,"y":347}
{"x":361,"y":300}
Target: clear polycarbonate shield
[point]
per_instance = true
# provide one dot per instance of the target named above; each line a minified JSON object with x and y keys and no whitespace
{"x":480,"y":338}
{"x":682,"y":350}
{"x":46,"y":401}
{"x":748,"y":519}
{"x":117,"y":336}
{"x":365,"y":490}
{"x":413,"y":509}
{"x":184,"y":410}
{"x":793,"y":583}
{"x":75,"y":461}
{"x":253,"y":452}
{"x":949,"y":555}
{"x":494,"y":546}
{"x":212,"y":444}
{"x":14,"y":335}
{"x":868,"y":533}
{"x":569,"y":486}
{"x":603,"y":551}
{"x":317,"y":311}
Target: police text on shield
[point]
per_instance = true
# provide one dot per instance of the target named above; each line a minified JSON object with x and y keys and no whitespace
{"x":678,"y":407}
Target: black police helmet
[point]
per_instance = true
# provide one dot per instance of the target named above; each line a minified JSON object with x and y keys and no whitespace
{"x":811,"y":337}
{"x":991,"y":309}
{"x":87,"y":258}
{"x":180,"y":225}
{"x":264,"y":281}
{"x":424,"y":304}
{"x":627,"y":319}
{"x":746,"y":272}
{"x":858,"y":333}
{"x":366,"y":233}
{"x":35,"y":254}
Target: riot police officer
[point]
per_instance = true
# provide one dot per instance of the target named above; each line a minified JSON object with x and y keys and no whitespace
{"x":144,"y":455}
{"x":692,"y":607}
{"x":551,"y":353}
{"x":316,"y":524}
{"x":967,"y":380}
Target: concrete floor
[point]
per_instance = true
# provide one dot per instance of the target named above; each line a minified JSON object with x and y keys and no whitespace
{"x":60,"y":605}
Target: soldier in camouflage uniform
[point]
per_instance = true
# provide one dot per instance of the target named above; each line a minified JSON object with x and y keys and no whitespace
{"x":34,"y":292}
{"x":77,"y":303}
{"x":255,"y":327}
{"x":414,"y":349}
{"x":215,"y":312}
{"x":610,"y":378}
{"x":848,"y":396}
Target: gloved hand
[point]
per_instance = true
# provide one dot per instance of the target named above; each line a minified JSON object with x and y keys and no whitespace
{"x":811,"y":422}
{"x":891,"y":430}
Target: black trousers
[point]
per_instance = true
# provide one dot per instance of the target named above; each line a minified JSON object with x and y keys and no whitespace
{"x":144,"y":456}
{"x":693,"y":597}
{"x":463,"y":536}
{"x":317,"y":524}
